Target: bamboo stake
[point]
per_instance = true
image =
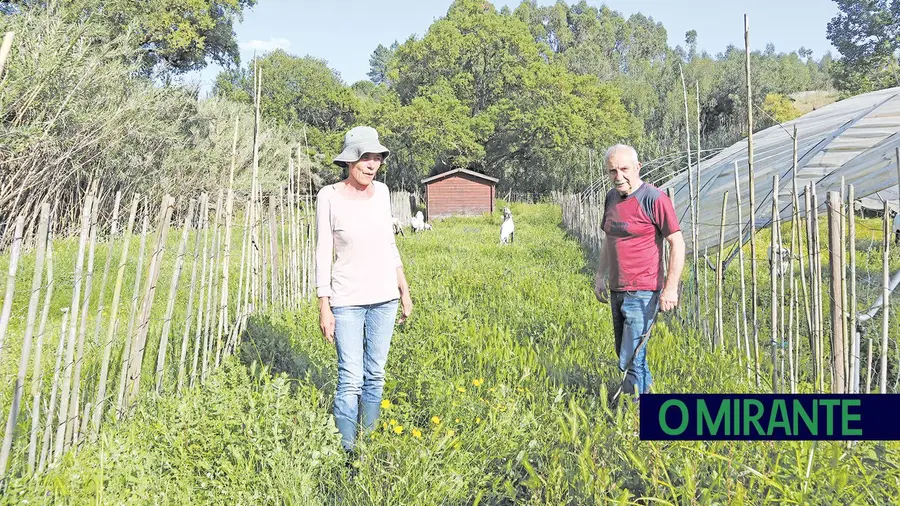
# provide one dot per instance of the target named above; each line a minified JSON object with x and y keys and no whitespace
{"x":752,"y":184}
{"x":111,"y":331}
{"x":885,"y":308}
{"x":82,"y":330}
{"x":38,"y":374}
{"x":33,"y":303}
{"x":223,"y":301}
{"x":273,"y":259}
{"x":740,"y":224}
{"x":791,"y":328}
{"x":173,"y":292}
{"x":820,"y":291}
{"x":292,"y":191}
{"x":855,"y":346}
{"x":773,"y":281}
{"x":241,"y":300}
{"x":802,"y":273}
{"x":211,"y":291}
{"x":842,"y":227}
{"x":694,"y":228}
{"x":129,"y":336}
{"x":706,"y":297}
{"x":46,"y":452}
{"x":70,"y":348}
{"x":185,"y":337}
{"x":198,"y":336}
{"x":869,"y":368}
{"x":5,"y":49}
{"x":720,"y":278}
{"x":139,"y":346}
{"x":257,"y":290}
{"x":14,"y":254}
{"x":101,"y":298}
{"x":284,"y":249}
{"x":837,"y":310}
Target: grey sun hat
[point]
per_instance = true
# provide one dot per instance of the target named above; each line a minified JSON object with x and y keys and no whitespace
{"x":358,"y":141}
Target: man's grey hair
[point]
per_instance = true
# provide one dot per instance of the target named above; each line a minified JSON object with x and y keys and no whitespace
{"x":622,"y":147}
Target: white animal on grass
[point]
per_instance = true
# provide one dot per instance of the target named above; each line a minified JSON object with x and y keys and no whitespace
{"x":507,"y":228}
{"x":418,"y":222}
{"x":784,"y":259}
{"x":398,"y":228}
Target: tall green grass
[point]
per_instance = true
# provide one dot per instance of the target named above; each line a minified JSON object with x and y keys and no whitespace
{"x":497,"y":393}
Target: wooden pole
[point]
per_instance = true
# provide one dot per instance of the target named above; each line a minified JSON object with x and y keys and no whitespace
{"x":70,"y":348}
{"x":885,"y":308}
{"x":14,"y":254}
{"x":740,"y":223}
{"x":198,"y":335}
{"x":842,"y":216}
{"x":33,"y":305}
{"x":5,"y":49}
{"x":173,"y":292}
{"x":162,"y":231}
{"x":98,"y":318}
{"x":273,"y":259}
{"x":226,"y":267}
{"x":695,"y":249}
{"x":854,"y":332}
{"x":837,"y":310}
{"x":129,"y":336}
{"x":114,"y":317}
{"x":82,"y":330}
{"x":774,"y":265}
{"x":46,"y":452}
{"x":720,"y":279}
{"x":189,"y":312}
{"x":208,"y":361}
{"x":752,"y":183}
{"x":38,"y":374}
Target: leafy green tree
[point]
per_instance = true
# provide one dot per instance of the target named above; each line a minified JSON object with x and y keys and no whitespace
{"x":867,"y":35}
{"x":378,"y":62}
{"x":175,"y":36}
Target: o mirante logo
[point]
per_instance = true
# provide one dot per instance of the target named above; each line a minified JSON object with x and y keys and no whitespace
{"x":768,"y":417}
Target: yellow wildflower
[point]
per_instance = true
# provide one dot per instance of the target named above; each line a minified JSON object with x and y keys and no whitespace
{"x":451,"y":432}
{"x":457,"y":420}
{"x":417,"y":433}
{"x":477,"y":420}
{"x":384,"y":425}
{"x":460,"y":389}
{"x":398,"y":429}
{"x":478,"y":381}
{"x":386,"y":404}
{"x":393,"y":422}
{"x":436,"y":420}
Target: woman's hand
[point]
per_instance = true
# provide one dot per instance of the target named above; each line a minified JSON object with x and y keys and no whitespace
{"x":406,"y":306}
{"x":326,"y":320}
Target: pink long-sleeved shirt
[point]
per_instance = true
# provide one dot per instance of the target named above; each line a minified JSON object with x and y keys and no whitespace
{"x":356,"y":255}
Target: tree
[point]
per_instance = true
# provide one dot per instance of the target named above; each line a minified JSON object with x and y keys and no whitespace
{"x":378,"y":62}
{"x":175,"y":36}
{"x":867,"y":35}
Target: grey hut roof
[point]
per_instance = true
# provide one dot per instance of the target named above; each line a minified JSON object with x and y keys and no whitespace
{"x":460,"y":171}
{"x":854,"y":138}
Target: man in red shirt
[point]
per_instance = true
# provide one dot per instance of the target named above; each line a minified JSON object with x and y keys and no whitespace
{"x":637,"y":218}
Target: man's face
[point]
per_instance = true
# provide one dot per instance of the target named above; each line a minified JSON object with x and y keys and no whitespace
{"x":623,"y":172}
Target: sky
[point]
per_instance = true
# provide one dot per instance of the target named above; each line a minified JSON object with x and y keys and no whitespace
{"x":345,"y":32}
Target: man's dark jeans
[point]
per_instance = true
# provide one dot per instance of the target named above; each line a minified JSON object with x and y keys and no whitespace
{"x":633,"y":313}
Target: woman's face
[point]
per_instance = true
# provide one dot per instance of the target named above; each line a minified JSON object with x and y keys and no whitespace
{"x":363,"y":170}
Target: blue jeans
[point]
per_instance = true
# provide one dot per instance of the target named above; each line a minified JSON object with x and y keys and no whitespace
{"x":633,"y":313}
{"x":362,"y":335}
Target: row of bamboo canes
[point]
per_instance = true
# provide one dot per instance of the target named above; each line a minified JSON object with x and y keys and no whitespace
{"x":276,"y":272}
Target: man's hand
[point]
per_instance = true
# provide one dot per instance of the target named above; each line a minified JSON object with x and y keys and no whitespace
{"x":668,"y":299}
{"x":600,"y":290}
{"x":326,"y":321}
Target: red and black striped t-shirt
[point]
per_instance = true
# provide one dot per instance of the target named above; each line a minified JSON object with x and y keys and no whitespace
{"x":635,"y":228}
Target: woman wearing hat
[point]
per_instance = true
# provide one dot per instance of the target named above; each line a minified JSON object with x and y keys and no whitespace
{"x":359,"y":280}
